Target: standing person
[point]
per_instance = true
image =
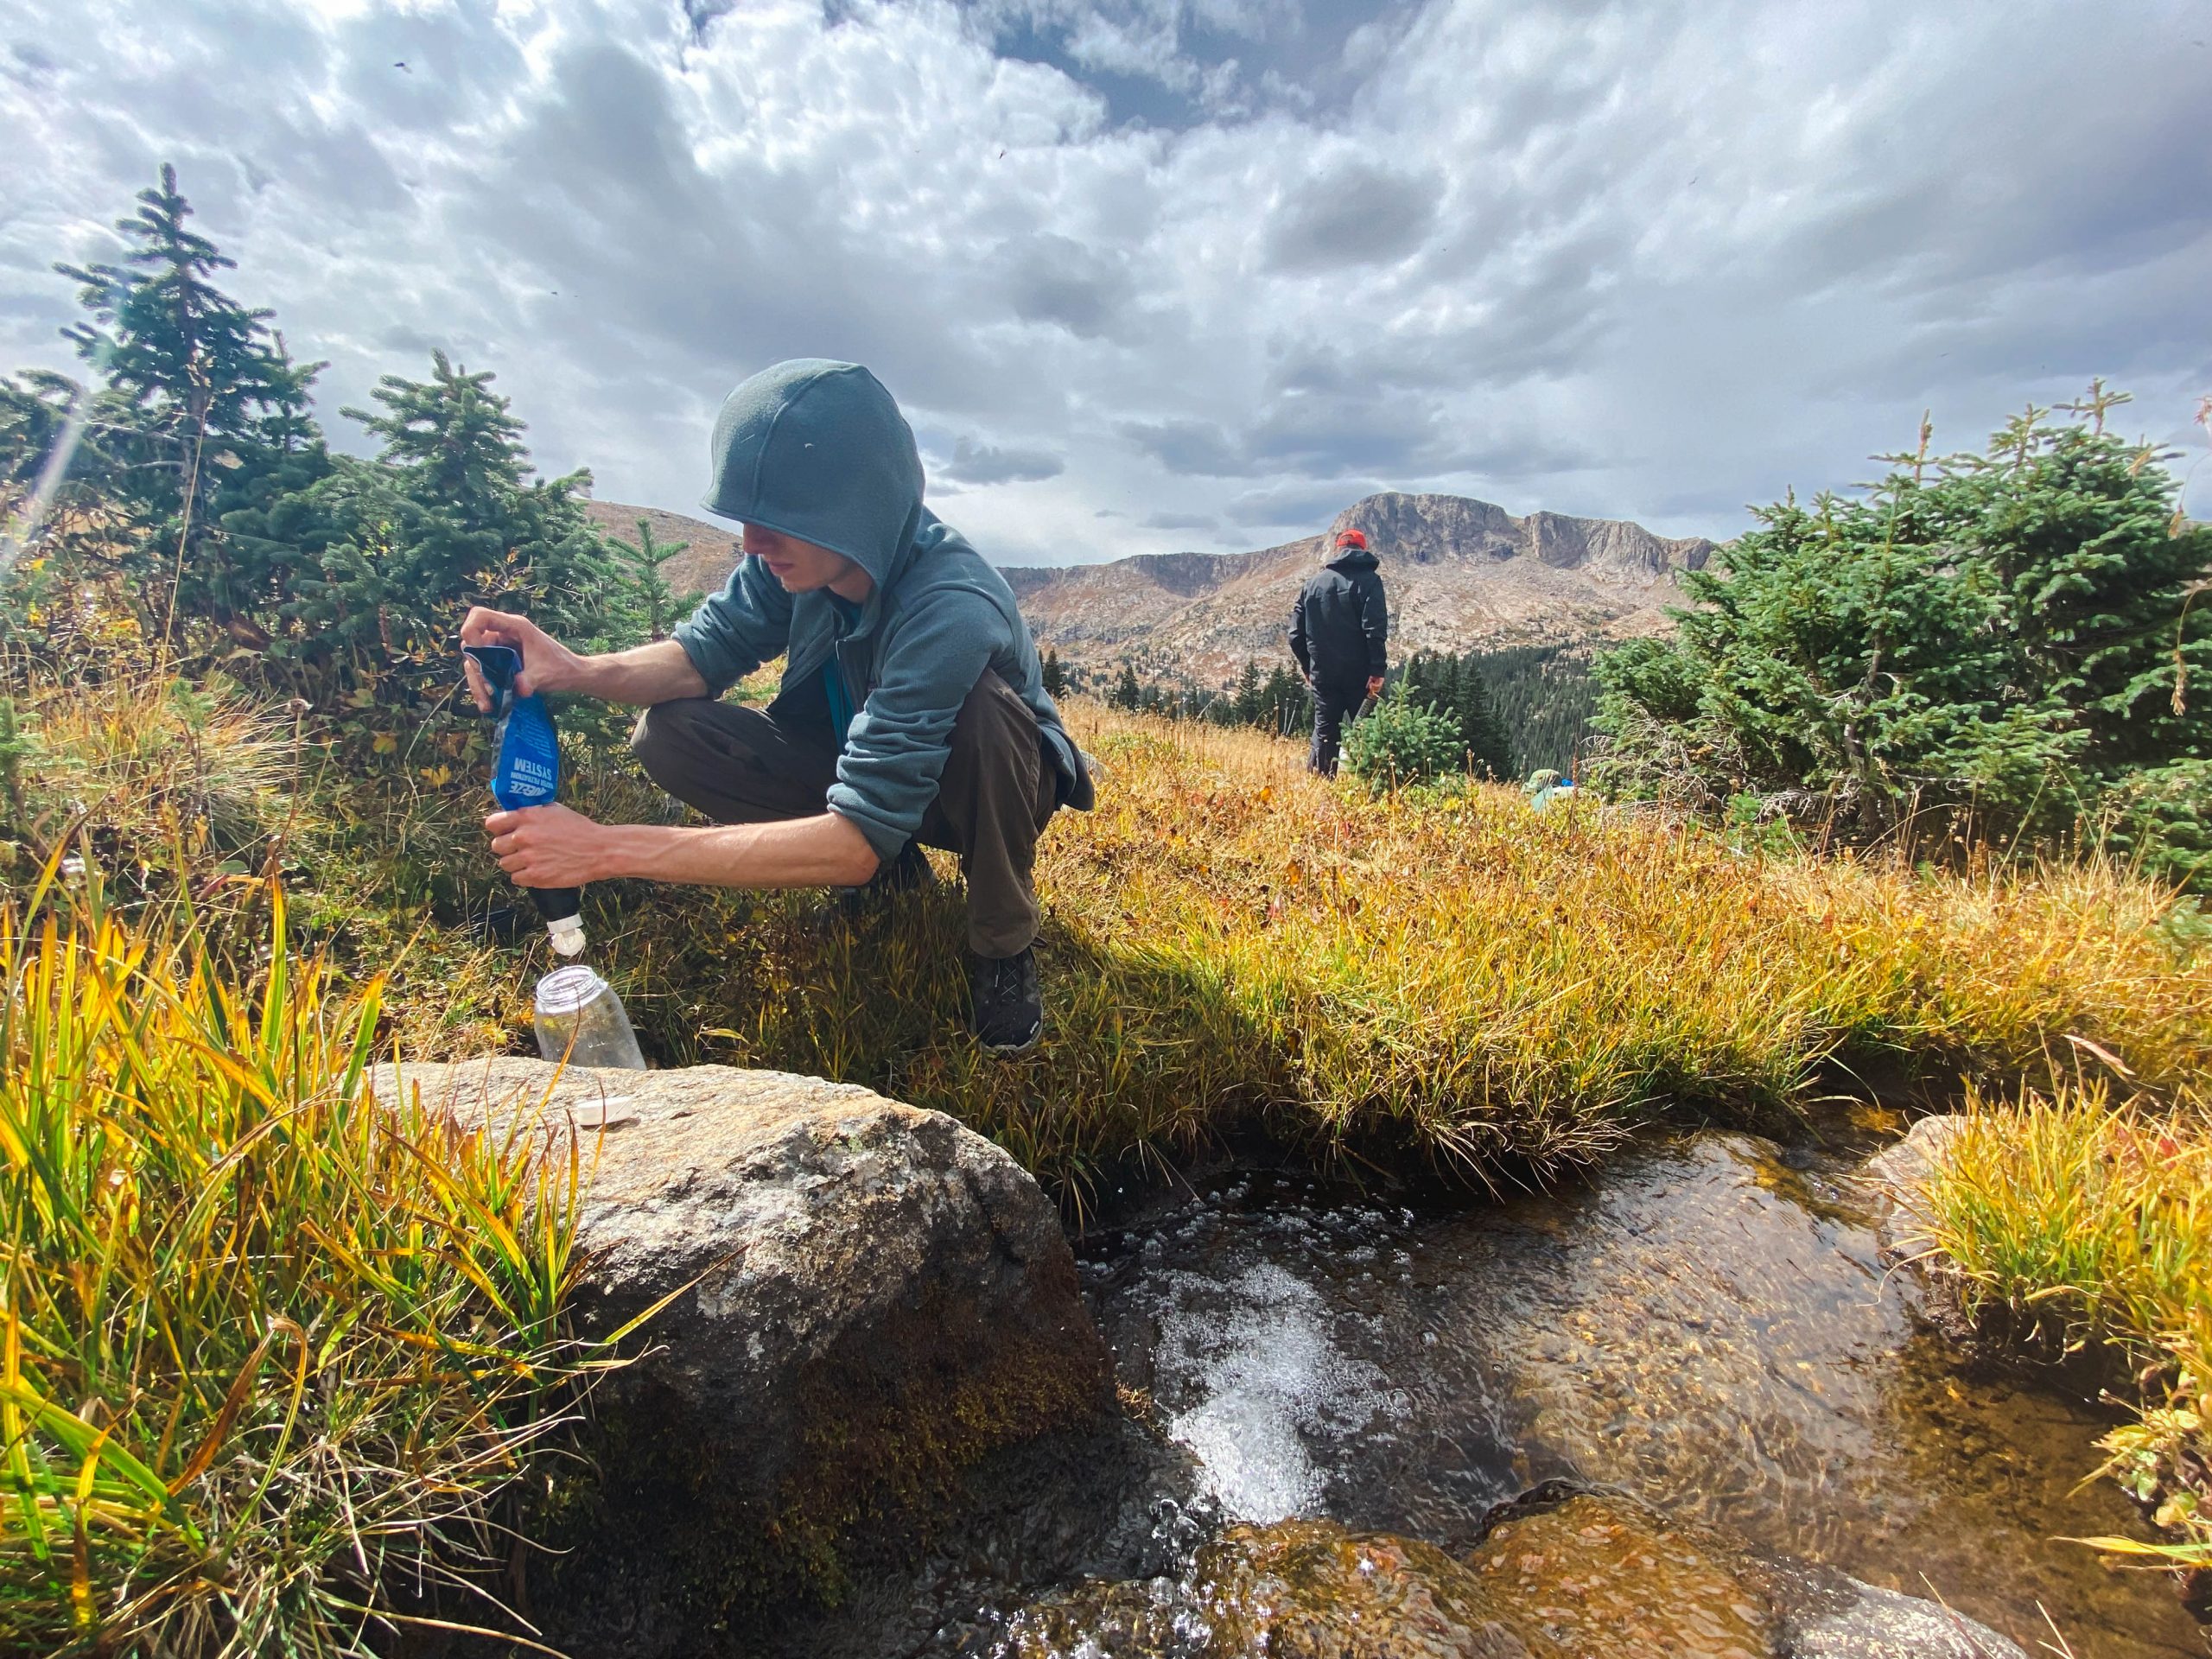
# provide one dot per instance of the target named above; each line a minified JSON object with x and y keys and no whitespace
{"x":1339,"y":631}
{"x":912,"y":713}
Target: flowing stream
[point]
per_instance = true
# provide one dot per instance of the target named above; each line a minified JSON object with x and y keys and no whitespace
{"x":1705,"y":1324}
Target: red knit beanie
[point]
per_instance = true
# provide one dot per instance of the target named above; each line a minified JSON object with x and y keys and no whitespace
{"x":1351,"y":539}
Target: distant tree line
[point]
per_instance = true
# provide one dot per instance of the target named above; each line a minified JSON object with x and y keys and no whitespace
{"x":1276,"y":701}
{"x":1544,"y":697}
{"x":1508,"y":711}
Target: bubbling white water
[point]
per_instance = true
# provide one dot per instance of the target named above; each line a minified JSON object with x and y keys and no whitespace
{"x":1260,"y":1383}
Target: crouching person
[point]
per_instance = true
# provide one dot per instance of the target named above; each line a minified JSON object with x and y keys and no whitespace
{"x":911,"y":711}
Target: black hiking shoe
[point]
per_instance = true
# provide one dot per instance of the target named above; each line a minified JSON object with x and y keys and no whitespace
{"x":1004,"y":1007}
{"x":908,"y":873}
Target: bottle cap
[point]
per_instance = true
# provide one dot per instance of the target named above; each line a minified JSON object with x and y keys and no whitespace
{"x":567,"y":935}
{"x":567,"y":989}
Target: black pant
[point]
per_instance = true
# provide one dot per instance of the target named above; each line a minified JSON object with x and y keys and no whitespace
{"x":740,"y":766}
{"x":1332,"y":704}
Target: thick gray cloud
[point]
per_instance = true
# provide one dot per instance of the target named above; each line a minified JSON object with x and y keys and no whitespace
{"x":983,"y":463}
{"x":1198,"y":447}
{"x":1312,"y":505}
{"x":1138,"y":268}
{"x":1357,"y":211}
{"x":1056,"y":279}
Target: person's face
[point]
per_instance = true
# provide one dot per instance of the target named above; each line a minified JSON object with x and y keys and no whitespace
{"x":801,"y":566}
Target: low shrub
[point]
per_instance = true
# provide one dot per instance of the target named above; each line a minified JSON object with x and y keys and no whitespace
{"x":1401,"y":743}
{"x":2161,"y":821}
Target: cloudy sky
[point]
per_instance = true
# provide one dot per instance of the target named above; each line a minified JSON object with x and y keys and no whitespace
{"x":1160,"y":274}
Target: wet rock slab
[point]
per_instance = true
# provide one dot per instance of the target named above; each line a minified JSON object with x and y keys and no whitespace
{"x":1295,"y":1590}
{"x":1600,"y":1574}
{"x":1580,"y":1576}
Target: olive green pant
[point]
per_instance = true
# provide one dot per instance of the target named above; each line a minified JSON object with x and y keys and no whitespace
{"x":738,"y":766}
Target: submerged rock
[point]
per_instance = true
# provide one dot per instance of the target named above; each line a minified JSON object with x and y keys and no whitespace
{"x":1600,"y":1574}
{"x":863,"y":1300}
{"x":1296,"y":1590}
{"x":1898,"y":1177}
{"x":1562,"y":1575}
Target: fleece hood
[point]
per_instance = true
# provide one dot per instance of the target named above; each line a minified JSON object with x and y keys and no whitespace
{"x":818,"y":450}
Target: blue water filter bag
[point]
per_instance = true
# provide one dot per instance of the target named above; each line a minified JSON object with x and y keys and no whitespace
{"x":528,"y":773}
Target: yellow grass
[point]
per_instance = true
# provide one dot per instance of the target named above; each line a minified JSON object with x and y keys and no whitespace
{"x":1228,"y":936}
{"x":2095,"y":1220}
{"x":267,"y":1348}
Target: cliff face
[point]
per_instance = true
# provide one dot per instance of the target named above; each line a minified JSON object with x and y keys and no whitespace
{"x":1460,"y":574}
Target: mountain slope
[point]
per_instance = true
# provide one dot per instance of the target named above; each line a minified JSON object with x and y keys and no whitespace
{"x":710,"y":552}
{"x":1460,"y":574}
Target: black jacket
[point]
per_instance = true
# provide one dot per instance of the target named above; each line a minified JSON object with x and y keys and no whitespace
{"x":1341,"y":624}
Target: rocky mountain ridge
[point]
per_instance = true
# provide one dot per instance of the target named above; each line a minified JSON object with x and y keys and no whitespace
{"x":1461,"y":574}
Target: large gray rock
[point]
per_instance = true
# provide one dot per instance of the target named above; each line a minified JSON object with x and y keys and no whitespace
{"x":863,"y":1300}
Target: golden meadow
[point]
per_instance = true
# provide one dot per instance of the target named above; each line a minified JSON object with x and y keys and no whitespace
{"x":1438,"y":976}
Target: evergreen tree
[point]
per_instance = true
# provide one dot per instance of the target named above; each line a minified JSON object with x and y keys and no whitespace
{"x":1054,"y":677}
{"x":1490,"y":753}
{"x":446,"y":517}
{"x":1246,"y":702}
{"x":1285,"y":709}
{"x":661,"y":604}
{"x":34,"y":408}
{"x":201,"y":403}
{"x":1126,"y":693}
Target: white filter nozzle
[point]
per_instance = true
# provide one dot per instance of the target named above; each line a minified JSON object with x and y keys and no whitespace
{"x":567,"y":935}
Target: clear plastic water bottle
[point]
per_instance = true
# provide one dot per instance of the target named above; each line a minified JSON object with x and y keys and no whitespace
{"x":581,"y":1019}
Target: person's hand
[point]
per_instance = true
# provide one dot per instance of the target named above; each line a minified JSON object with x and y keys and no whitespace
{"x":547,"y":664}
{"x":548,"y":846}
{"x":1375,"y":685}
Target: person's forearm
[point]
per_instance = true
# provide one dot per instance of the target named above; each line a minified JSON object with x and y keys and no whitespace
{"x":826,"y":851}
{"x":641,"y":676}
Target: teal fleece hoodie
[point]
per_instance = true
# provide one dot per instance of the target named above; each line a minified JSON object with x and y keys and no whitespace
{"x":818,"y":450}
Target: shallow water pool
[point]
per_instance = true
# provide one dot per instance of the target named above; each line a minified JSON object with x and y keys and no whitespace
{"x":1708,"y":1325}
